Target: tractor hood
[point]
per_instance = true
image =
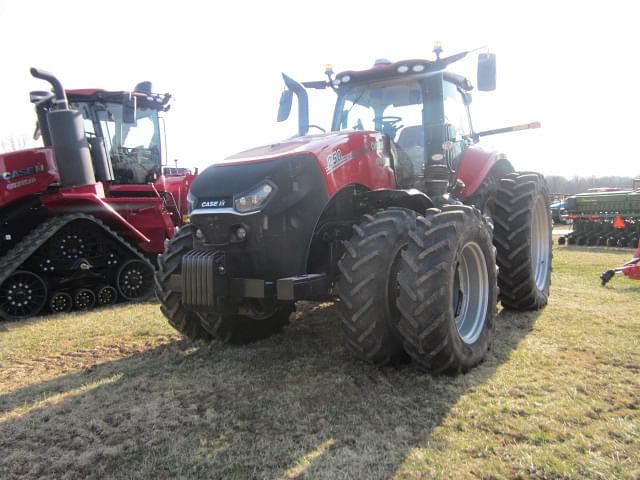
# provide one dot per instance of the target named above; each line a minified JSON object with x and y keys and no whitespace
{"x":337,"y":155}
{"x":318,"y":145}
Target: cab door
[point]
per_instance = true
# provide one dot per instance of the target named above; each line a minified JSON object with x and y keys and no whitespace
{"x":457,"y":125}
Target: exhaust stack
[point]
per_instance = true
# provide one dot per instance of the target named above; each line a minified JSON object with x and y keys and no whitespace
{"x":68,"y":138}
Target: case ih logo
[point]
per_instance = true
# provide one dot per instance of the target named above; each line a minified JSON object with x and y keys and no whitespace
{"x":214,"y":203}
{"x":23,"y":172}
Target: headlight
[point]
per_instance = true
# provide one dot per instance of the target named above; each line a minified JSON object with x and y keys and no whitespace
{"x":192,"y":201}
{"x":253,"y":199}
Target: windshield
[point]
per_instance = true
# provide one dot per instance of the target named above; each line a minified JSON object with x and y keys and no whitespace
{"x":386,"y":107}
{"x":134,"y":149}
{"x":393,"y":108}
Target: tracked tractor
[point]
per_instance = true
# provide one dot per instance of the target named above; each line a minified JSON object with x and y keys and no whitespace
{"x":83,"y":217}
{"x":397,"y":213}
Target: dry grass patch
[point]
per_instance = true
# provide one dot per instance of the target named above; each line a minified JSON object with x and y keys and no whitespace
{"x":116,"y":393}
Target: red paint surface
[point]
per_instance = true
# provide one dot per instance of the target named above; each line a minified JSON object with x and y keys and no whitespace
{"x":25,"y":185}
{"x":475,"y":166}
{"x":367,"y":166}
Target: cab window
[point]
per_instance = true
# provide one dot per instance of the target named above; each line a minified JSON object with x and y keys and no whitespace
{"x":455,"y":111}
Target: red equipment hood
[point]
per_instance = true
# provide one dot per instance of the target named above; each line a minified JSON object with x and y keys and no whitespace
{"x":318,"y":145}
{"x":345,"y":158}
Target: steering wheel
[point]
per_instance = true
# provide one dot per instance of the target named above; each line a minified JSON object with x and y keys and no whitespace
{"x":389,"y":125}
{"x":388,"y":120}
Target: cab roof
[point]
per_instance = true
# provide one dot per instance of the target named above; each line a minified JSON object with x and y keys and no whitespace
{"x":384,"y":70}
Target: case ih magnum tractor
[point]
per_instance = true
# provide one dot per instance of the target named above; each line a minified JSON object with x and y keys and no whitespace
{"x":83,"y":218}
{"x":396,"y":211}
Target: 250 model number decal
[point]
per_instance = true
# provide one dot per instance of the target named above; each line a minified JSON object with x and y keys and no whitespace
{"x":336,"y":159}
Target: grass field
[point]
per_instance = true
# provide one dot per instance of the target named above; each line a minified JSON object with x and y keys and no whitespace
{"x":117,"y":393}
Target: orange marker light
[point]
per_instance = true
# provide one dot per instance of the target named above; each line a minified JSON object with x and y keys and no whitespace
{"x":618,"y":222}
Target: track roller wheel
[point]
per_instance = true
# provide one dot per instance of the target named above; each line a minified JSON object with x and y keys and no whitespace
{"x":22,"y":295}
{"x":107,"y":295}
{"x":60,"y":302}
{"x":135,"y":280}
{"x":84,"y":299}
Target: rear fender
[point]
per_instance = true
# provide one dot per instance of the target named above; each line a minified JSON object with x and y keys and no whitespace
{"x":476,"y":164}
{"x":411,"y":199}
{"x":344,"y":210}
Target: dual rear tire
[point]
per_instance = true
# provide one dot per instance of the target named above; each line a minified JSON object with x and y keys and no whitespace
{"x":419,"y":287}
{"x":426,"y":286}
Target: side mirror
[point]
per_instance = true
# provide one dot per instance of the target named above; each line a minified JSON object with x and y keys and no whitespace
{"x":487,"y":72}
{"x":129,"y":109}
{"x":285,"y":105}
{"x":37,"y":97}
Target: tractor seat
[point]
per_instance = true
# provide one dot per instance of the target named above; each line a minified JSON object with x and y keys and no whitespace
{"x":411,"y":137}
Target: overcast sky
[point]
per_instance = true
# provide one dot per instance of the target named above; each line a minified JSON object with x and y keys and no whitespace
{"x":571,"y":65}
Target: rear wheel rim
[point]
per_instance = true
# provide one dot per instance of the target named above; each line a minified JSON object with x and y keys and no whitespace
{"x":471,"y":292}
{"x":540,"y":249}
{"x":23,"y":295}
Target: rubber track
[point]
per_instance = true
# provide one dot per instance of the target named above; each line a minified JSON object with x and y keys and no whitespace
{"x":31,"y":242}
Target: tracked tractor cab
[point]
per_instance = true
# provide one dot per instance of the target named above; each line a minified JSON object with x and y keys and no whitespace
{"x":83,"y":217}
{"x":122,"y":129}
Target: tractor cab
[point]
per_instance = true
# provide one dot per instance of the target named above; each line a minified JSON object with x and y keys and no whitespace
{"x":423,"y":114}
{"x":122,"y":129}
{"x":421,"y":109}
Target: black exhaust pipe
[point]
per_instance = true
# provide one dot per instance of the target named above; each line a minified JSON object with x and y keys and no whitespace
{"x":68,"y":137}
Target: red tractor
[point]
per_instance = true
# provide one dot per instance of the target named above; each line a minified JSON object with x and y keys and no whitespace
{"x":83,"y":218}
{"x":396,"y":212}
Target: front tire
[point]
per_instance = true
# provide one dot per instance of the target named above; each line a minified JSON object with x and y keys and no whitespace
{"x":169,"y":263}
{"x":448,"y":290}
{"x":368,"y":286}
{"x":522,"y":235}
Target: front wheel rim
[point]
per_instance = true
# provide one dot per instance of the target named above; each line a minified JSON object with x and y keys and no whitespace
{"x":471,"y":292}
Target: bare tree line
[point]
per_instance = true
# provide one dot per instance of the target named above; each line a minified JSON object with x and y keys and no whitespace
{"x":570,"y":186}
{"x":12,"y":143}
